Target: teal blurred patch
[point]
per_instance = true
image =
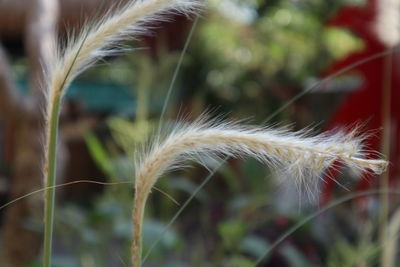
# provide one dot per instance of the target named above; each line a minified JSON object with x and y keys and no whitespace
{"x":99,"y":97}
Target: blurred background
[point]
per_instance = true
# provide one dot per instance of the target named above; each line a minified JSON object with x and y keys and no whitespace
{"x":324,"y":64}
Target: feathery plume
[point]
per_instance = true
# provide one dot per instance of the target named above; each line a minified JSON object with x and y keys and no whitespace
{"x":304,"y":157}
{"x":101,"y":38}
{"x":94,"y":42}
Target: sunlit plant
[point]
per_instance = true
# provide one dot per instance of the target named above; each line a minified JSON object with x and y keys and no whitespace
{"x":303,"y":157}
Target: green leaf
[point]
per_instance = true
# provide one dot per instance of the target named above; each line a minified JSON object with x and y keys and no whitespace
{"x":98,"y":153}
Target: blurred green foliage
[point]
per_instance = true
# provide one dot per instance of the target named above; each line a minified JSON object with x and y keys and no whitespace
{"x":247,"y":64}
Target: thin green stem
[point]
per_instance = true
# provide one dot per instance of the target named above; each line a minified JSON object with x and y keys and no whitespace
{"x":44,"y":189}
{"x":51,"y":162}
{"x":385,"y":146}
{"x":139,"y":211}
{"x":317,"y":213}
{"x":327,"y":79}
{"x":137,"y":259}
{"x":51,"y":181}
{"x":177,"y":69}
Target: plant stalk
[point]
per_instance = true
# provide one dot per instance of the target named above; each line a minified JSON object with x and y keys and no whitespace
{"x":385,"y":149}
{"x":138,"y":215}
{"x":50,"y":181}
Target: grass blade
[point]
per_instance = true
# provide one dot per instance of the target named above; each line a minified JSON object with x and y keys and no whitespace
{"x":177,"y":69}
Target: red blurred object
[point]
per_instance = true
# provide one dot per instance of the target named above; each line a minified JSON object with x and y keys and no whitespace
{"x":364,"y":105}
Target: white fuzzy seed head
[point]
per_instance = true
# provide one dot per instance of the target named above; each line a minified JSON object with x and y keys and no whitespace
{"x":298,"y":155}
{"x":103,"y":38}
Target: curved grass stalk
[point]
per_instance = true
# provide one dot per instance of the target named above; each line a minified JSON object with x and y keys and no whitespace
{"x":58,"y":186}
{"x":165,"y":105}
{"x":385,"y":148}
{"x":176,"y":71}
{"x":304,"y":158}
{"x":307,"y":219}
{"x":80,"y":52}
{"x":274,"y":114}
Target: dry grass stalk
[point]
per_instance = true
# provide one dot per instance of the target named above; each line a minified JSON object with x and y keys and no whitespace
{"x":101,"y":38}
{"x":304,"y":157}
{"x":97,"y":40}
